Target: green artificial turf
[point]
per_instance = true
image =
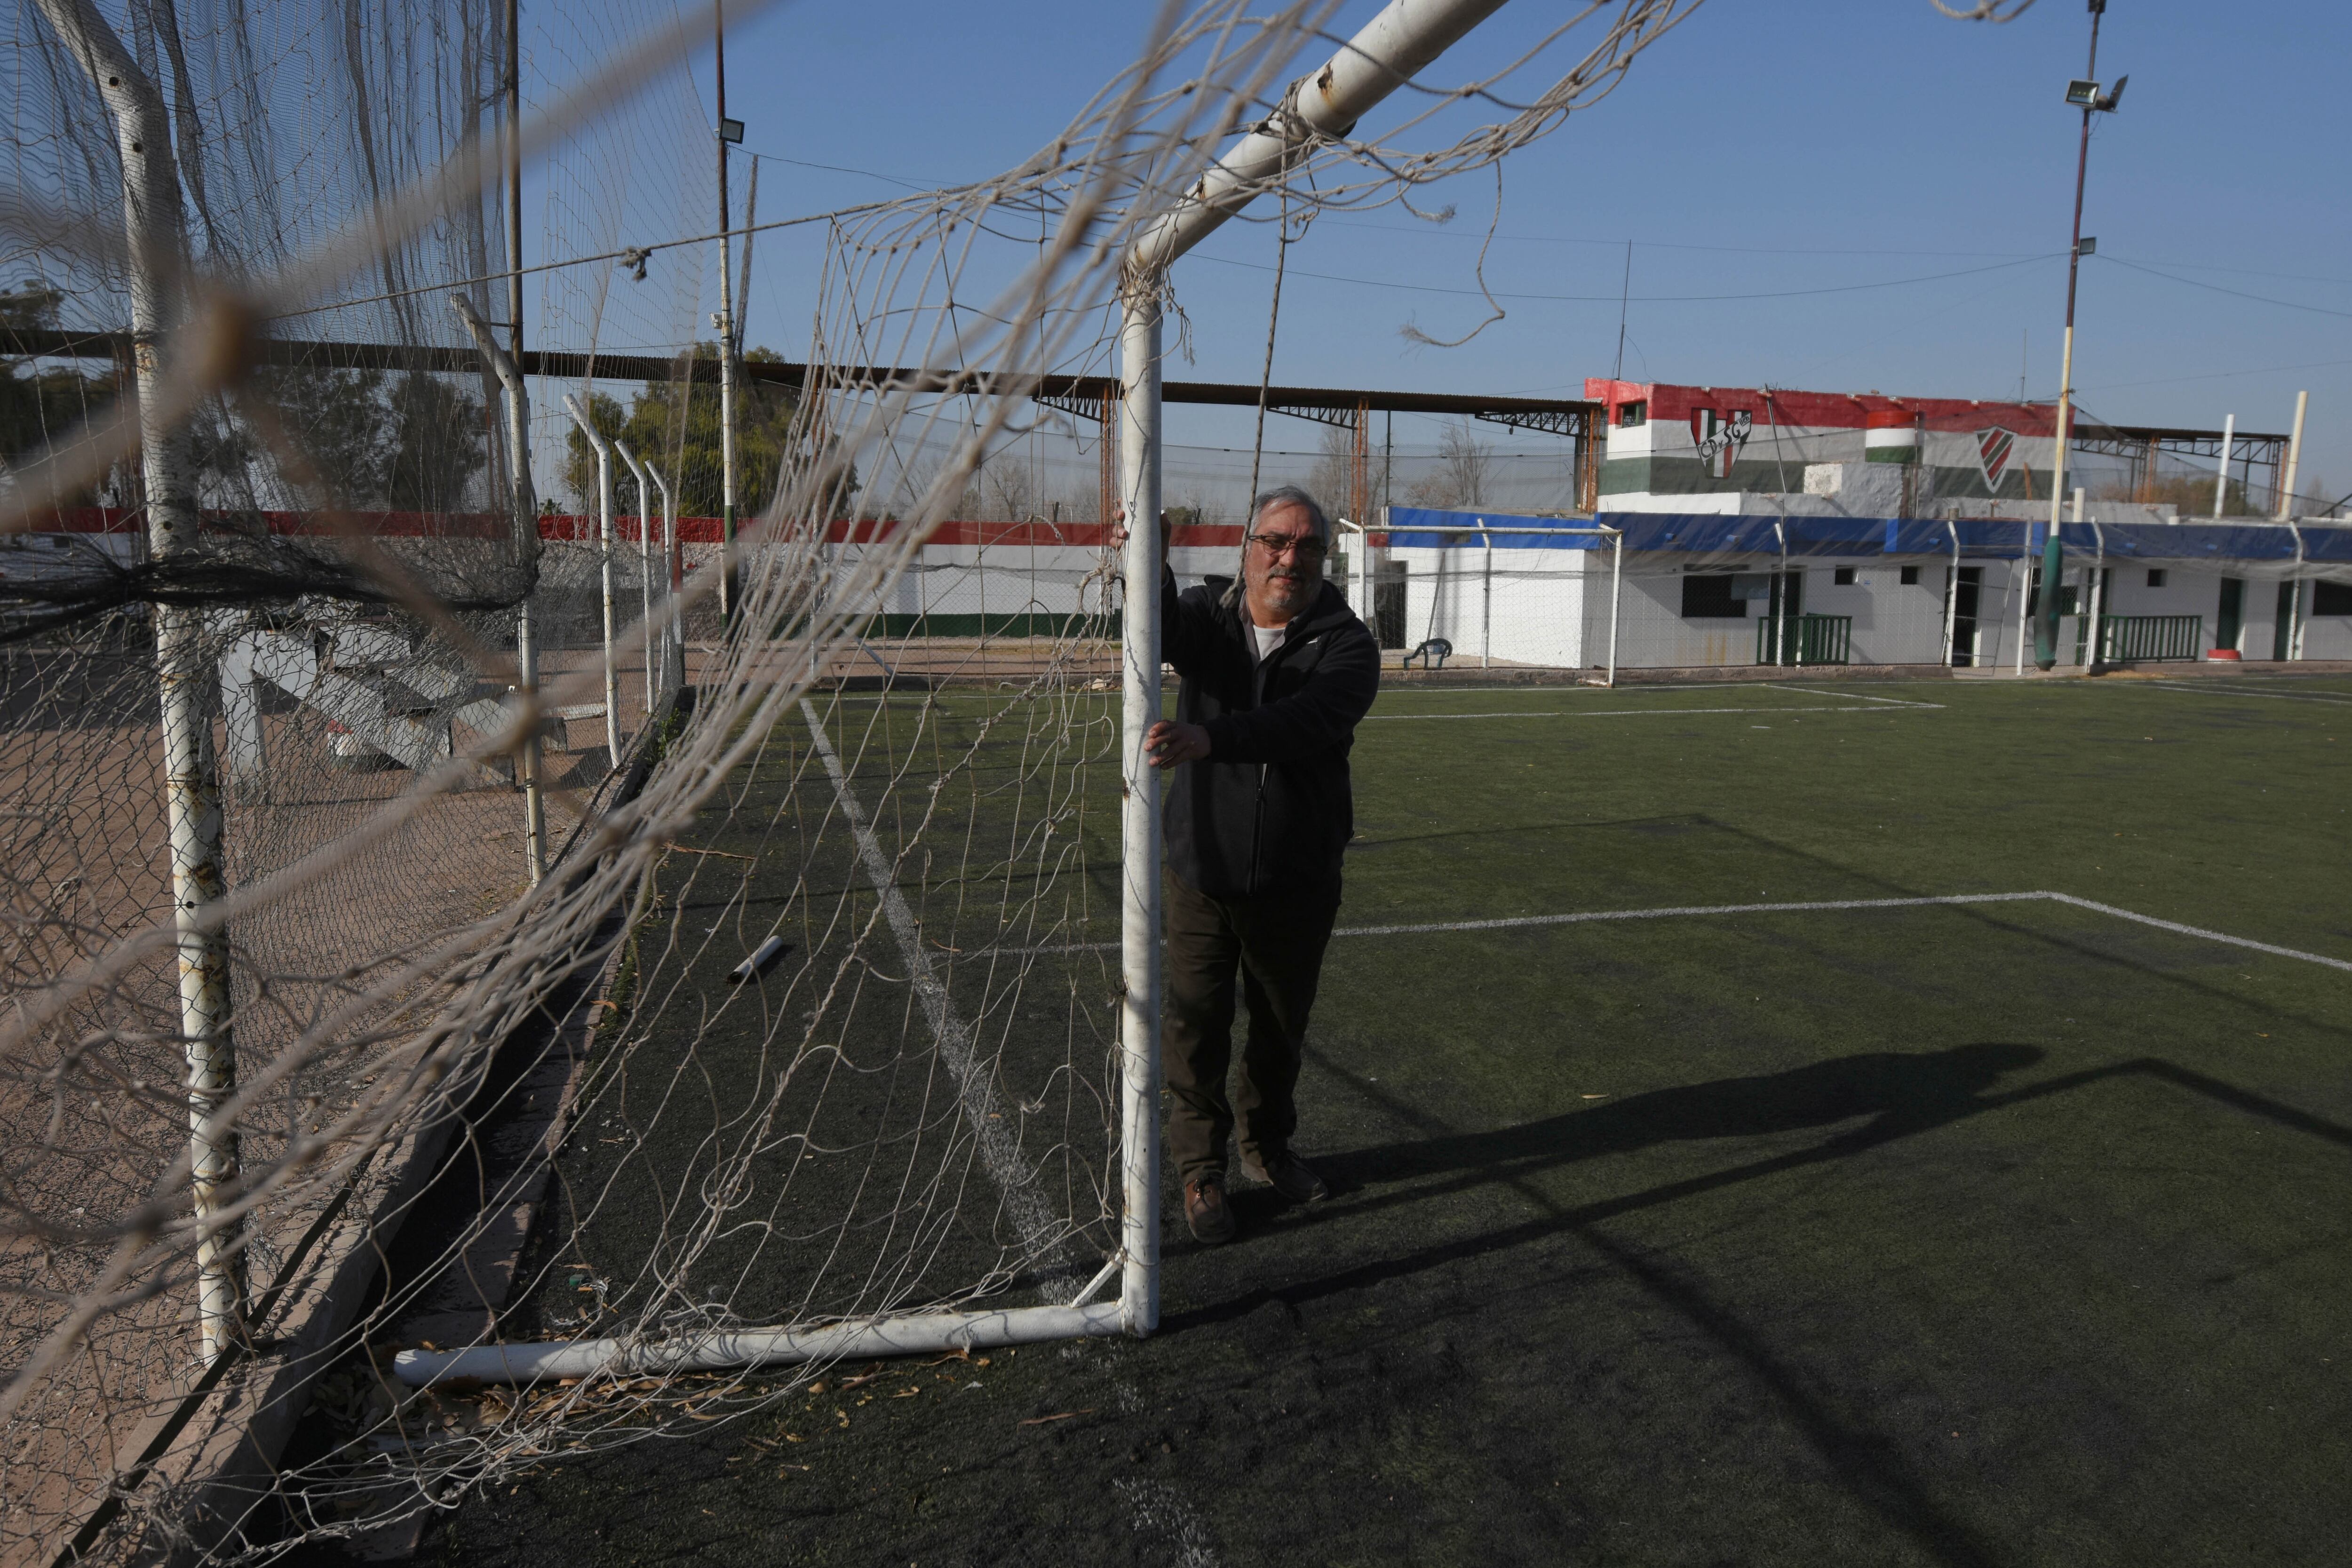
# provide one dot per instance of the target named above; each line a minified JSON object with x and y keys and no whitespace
{"x":1966,"y":1234}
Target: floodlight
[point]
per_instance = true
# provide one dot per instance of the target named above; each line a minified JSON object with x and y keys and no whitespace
{"x":2087,"y":246}
{"x":730,"y":131}
{"x":2111,"y":99}
{"x":2083,"y":94}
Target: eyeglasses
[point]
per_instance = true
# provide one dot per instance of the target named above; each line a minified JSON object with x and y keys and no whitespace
{"x":1305,"y":546}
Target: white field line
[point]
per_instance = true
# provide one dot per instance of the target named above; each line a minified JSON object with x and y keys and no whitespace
{"x":1589,"y":917}
{"x":1158,"y":1510}
{"x":982,"y":1107}
{"x":1864,"y":696}
{"x":2207,"y":688}
{"x":1514,"y":922}
{"x":2197,"y":931}
{"x":1631,"y":713}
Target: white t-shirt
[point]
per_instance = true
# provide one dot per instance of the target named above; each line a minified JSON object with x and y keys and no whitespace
{"x":1267,"y":638}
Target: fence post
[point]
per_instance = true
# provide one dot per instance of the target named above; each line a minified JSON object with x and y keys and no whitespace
{"x":153,"y":227}
{"x":1616,"y":581}
{"x":1487,"y":605}
{"x":644,"y":569}
{"x":526,"y":548}
{"x":604,"y":556}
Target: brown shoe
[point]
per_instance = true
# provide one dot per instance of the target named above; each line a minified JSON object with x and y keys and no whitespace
{"x":1289,"y":1174}
{"x":1205,"y":1209}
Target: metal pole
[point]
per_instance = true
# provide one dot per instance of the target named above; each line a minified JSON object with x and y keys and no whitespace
{"x":2221,"y":475}
{"x":1138,"y":452}
{"x":604,"y":555}
{"x":1391,"y":49}
{"x":1486,"y":607}
{"x":1781,"y":600}
{"x":743,"y":278}
{"x":1952,"y":600}
{"x":526,"y":541}
{"x":525,"y":528}
{"x":726,"y":324}
{"x":676,"y":677}
{"x":2293,"y":455}
{"x":2024,"y":592}
{"x":2066,"y":356}
{"x":153,"y":229}
{"x":645,"y":568}
{"x":2294,"y":601}
{"x":1616,"y":580}
{"x":2094,"y":648}
{"x":1406,"y":35}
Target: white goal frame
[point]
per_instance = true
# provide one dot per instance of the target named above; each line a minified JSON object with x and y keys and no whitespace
{"x":1405,"y":37}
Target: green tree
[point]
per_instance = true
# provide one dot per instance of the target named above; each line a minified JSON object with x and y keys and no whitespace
{"x":439,"y":445}
{"x":674,"y":424}
{"x":337,"y":419}
{"x":413,"y":443}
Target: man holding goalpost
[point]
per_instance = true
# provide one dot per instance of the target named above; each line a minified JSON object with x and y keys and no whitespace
{"x":1275,"y":670}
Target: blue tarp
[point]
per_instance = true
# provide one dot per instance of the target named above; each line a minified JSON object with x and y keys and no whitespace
{"x":2331,"y":544}
{"x":1418,"y":527}
{"x":1981,"y":538}
{"x":2183,"y":542}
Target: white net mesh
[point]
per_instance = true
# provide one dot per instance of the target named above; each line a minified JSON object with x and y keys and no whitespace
{"x":271,"y":693}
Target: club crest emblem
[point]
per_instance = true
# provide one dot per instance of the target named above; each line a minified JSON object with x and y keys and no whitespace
{"x":1994,"y":448}
{"x":1718,"y":439}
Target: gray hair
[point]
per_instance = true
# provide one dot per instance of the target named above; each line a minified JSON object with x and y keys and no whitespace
{"x":1291,"y":495}
{"x":1280,"y":496}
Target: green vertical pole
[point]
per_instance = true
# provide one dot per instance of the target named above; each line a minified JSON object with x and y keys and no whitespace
{"x":2045,"y":622}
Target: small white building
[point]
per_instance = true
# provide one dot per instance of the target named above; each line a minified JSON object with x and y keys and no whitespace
{"x":1712,"y":590}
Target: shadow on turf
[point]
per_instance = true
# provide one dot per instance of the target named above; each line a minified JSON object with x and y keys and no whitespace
{"x":1906,"y":1093}
{"x":1902,"y":1094}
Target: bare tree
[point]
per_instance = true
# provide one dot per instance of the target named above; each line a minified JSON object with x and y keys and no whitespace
{"x":1464,"y":467}
{"x":1332,"y":480}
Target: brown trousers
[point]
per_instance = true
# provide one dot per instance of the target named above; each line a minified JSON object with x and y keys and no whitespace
{"x":1275,"y":945}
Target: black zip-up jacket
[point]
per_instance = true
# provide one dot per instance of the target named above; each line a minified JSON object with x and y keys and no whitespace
{"x":1271,"y":809}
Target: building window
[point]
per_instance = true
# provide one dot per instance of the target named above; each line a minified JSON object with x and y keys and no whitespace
{"x":1709,"y":598}
{"x":2331,"y":598}
{"x":1632,"y":414}
{"x":2156,"y":577}
{"x":1910,"y":576}
{"x":1842,"y":576}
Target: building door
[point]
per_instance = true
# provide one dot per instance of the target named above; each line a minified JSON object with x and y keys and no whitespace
{"x":1966,"y":593}
{"x":2103,"y":596}
{"x":2282,"y":631}
{"x":2230,"y":624}
{"x":1388,"y":602}
{"x":1785,"y":609}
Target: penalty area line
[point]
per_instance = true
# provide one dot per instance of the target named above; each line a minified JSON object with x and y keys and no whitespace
{"x":1863,"y":696}
{"x":2215,"y":689}
{"x":1510,"y":922}
{"x":1809,"y":906}
{"x":982,"y":1107}
{"x":1635,"y":712}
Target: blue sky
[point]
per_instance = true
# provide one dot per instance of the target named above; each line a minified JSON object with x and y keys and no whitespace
{"x":1804,"y":156}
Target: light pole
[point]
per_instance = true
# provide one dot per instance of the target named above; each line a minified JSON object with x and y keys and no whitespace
{"x":724,"y":322}
{"x":2084,"y":94}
